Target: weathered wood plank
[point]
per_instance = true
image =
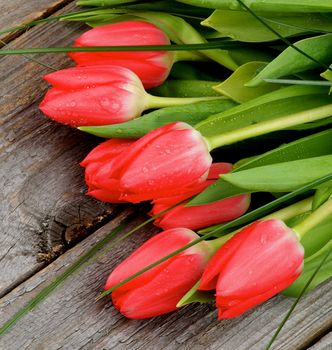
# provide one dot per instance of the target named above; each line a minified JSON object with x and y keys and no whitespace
{"x":42,"y":201}
{"x":15,"y":13}
{"x":71,"y":319}
{"x":323,"y":344}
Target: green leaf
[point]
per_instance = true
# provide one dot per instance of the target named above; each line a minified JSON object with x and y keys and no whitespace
{"x":310,"y":265}
{"x":242,"y":26}
{"x":215,"y":192}
{"x":296,"y":6}
{"x":317,"y":237}
{"x":257,"y":117}
{"x":315,"y":145}
{"x":196,"y":296}
{"x":191,"y":114}
{"x":323,"y":193}
{"x":291,"y":61}
{"x":311,"y":146}
{"x":234,"y":87}
{"x":281,"y":177}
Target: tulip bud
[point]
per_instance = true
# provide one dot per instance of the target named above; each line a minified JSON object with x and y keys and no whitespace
{"x":101,"y":95}
{"x":257,"y":263}
{"x":200,"y":216}
{"x":152,"y":67}
{"x":94,"y":95}
{"x":169,"y":160}
{"x":158,"y":290}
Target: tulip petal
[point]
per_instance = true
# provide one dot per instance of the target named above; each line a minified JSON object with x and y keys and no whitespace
{"x":218,"y":263}
{"x":229,"y":310}
{"x":152,"y":67}
{"x":106,"y":151}
{"x":152,"y":250}
{"x":162,"y":293}
{"x":173,"y":161}
{"x":87,"y":77}
{"x":111,"y":105}
{"x":201,"y":216}
{"x":271,"y":252}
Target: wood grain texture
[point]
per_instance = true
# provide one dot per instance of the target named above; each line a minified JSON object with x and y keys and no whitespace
{"x":15,"y":13}
{"x":42,"y":202}
{"x":323,"y":344}
{"x":44,"y":211}
{"x":71,"y":319}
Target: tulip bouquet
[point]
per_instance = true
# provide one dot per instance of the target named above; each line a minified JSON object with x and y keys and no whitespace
{"x":267,"y":97}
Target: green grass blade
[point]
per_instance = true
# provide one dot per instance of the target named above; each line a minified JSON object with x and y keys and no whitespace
{"x":299,"y":82}
{"x":183,"y":47}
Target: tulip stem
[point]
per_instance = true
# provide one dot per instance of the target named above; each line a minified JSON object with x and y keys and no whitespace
{"x":319,"y":215}
{"x":160,"y":102}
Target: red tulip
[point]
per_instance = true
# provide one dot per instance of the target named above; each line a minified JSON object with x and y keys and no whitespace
{"x":95,"y":95}
{"x":170,"y":160}
{"x":101,"y":95}
{"x":94,"y":168}
{"x":202,"y":215}
{"x":152,"y":67}
{"x":257,"y":263}
{"x":158,"y":290}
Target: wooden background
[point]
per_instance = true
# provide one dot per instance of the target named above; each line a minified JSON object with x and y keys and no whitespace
{"x":47,"y":223}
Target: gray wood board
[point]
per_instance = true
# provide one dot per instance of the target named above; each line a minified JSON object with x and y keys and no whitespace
{"x":42,"y":201}
{"x":70,"y":318}
{"x":323,"y":344}
{"x":17,"y":12}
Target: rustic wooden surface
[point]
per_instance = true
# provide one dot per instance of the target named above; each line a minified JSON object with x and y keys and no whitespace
{"x":44,"y":214}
